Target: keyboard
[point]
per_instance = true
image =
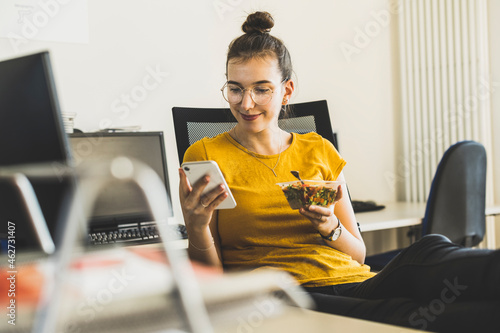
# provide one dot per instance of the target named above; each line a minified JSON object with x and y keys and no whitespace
{"x":134,"y":235}
{"x":365,"y":206}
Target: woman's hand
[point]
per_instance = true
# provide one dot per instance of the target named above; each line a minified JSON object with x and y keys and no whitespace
{"x":198,"y":211}
{"x":197,"y":208}
{"x":323,"y":218}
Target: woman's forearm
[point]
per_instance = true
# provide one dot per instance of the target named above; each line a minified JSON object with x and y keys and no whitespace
{"x":349,"y":244}
{"x":202,"y":247}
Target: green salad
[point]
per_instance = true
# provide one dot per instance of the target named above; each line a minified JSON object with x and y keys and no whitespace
{"x":299,"y":195}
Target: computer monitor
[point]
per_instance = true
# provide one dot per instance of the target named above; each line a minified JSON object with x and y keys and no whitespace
{"x":32,"y":133}
{"x":32,"y":129}
{"x":122,"y":203}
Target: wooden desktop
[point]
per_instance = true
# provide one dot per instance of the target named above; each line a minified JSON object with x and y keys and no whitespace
{"x":402,"y":214}
{"x":379,"y":228}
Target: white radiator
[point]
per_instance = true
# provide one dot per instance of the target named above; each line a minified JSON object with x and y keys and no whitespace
{"x":445,"y":85}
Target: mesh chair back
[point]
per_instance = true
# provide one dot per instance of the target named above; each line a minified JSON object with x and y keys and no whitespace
{"x":193,"y":124}
{"x":456,"y":203}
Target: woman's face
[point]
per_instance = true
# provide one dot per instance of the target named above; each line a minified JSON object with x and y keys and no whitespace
{"x":259,"y":74}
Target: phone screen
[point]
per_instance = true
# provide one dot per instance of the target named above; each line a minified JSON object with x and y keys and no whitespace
{"x":195,"y":170}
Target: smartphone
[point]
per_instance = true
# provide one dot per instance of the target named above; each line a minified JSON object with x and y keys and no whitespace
{"x":195,"y":170}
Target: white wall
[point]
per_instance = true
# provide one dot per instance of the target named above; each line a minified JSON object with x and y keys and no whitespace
{"x":188,"y":40}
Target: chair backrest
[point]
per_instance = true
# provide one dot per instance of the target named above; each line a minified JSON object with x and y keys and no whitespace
{"x":457,"y":199}
{"x":193,"y":124}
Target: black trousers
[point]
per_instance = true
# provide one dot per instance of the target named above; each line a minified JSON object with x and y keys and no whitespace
{"x":431,"y":285}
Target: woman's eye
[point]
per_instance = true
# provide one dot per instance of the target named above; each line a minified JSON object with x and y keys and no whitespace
{"x":261,"y":91}
{"x":235,"y":90}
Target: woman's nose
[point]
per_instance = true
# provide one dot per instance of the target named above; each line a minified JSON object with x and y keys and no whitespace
{"x":247,"y":101}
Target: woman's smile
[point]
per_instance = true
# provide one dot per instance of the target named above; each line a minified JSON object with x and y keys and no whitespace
{"x":249,"y":117}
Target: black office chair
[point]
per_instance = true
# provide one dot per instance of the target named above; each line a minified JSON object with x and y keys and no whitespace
{"x":457,"y":200}
{"x":193,"y":124}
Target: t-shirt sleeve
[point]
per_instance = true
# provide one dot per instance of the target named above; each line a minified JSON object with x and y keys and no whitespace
{"x":335,"y":161}
{"x":195,"y":152}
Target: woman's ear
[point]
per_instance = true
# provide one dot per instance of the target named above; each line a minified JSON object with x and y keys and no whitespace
{"x":289,"y":88}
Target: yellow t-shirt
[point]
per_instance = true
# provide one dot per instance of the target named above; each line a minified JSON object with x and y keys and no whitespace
{"x":263,"y":231}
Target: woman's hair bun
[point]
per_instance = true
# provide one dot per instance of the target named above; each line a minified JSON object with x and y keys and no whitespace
{"x":258,"y":22}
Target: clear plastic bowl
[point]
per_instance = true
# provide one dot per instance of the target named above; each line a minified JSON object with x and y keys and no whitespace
{"x":312,"y":192}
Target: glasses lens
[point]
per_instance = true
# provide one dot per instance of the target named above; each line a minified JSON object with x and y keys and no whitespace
{"x":232,"y":94}
{"x":262,"y":95}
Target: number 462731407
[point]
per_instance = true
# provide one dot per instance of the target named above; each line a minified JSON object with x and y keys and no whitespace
{"x":11,"y":241}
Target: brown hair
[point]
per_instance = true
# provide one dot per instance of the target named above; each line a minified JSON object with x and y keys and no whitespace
{"x":257,"y":42}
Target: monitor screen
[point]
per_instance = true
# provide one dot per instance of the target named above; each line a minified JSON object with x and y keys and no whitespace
{"x":32,"y":132}
{"x":32,"y":129}
{"x":122,"y":202}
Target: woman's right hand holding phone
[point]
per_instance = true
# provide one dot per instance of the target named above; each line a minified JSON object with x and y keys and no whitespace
{"x":198,"y":208}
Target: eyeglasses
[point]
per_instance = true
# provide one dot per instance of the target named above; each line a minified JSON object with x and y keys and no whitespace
{"x":233,"y":94}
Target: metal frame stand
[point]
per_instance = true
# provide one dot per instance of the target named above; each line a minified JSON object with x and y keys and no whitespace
{"x":91,"y":182}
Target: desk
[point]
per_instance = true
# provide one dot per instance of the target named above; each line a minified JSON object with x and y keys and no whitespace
{"x":406,"y":214}
{"x":493,"y":210}
{"x":402,"y":214}
{"x":298,"y":320}
{"x":394,"y":215}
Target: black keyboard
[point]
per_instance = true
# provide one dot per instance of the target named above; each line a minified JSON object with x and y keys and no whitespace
{"x":134,"y":235}
{"x":365,"y":206}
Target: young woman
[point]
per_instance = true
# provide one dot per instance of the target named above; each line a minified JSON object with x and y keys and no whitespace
{"x":432,"y":285}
